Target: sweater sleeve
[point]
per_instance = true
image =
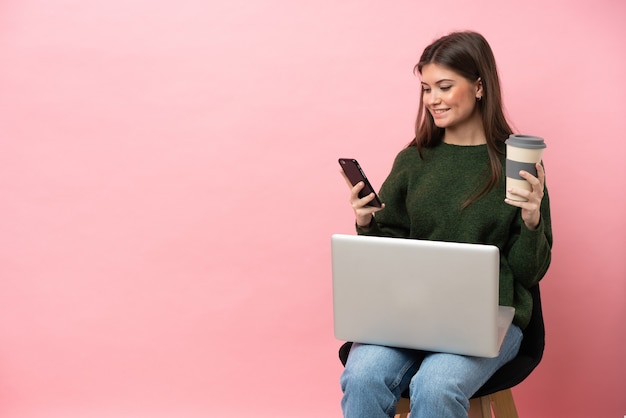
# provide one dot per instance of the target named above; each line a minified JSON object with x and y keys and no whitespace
{"x":529,"y":251}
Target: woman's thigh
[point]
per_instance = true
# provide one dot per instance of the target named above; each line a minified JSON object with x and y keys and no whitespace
{"x":468,"y":373}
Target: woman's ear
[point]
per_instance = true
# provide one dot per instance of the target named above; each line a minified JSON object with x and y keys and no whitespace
{"x":479,"y":88}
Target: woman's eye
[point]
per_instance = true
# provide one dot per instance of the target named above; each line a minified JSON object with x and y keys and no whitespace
{"x":425,"y":90}
{"x":445,"y":88}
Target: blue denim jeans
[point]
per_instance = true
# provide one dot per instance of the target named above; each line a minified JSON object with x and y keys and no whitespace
{"x":439,"y":384}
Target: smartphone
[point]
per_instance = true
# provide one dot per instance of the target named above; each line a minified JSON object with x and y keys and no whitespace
{"x":355,"y":174}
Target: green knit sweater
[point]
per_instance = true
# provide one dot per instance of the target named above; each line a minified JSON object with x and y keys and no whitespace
{"x":423,"y":200}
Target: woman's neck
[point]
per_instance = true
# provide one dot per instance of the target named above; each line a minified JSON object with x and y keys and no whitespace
{"x":470,"y":133}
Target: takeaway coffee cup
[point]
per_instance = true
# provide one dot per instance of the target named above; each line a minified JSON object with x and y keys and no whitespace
{"x":522,"y":153}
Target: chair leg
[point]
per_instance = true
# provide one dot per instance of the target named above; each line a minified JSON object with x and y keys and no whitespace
{"x":503,"y":404}
{"x":403,"y":408}
{"x":480,"y":407}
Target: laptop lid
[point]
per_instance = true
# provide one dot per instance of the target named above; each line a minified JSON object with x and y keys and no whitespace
{"x":428,"y":295}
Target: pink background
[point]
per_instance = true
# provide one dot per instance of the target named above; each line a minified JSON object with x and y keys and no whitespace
{"x":169,"y":184}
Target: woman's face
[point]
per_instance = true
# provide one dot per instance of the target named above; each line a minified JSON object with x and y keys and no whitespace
{"x":449,"y":97}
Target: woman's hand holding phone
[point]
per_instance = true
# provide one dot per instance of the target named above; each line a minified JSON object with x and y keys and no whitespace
{"x":364,"y":204}
{"x":362,"y":211}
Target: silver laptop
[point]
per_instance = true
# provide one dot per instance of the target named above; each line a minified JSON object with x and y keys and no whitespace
{"x":427,"y":295}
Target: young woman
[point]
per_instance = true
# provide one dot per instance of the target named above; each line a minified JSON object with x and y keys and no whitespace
{"x":448,"y":184}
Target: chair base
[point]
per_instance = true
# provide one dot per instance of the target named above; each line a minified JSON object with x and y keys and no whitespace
{"x":501,"y":403}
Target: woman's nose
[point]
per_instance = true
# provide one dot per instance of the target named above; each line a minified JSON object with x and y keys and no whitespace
{"x":433,"y":98}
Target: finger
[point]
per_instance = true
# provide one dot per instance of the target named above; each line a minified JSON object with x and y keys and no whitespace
{"x":363,"y":203}
{"x":362,"y":209}
{"x":526,"y":175}
{"x":354,"y":196}
{"x":522,"y":193}
{"x":541,"y":174}
{"x":513,"y":202}
{"x":360,"y":204}
{"x":535,"y":183}
{"x":367,"y":199}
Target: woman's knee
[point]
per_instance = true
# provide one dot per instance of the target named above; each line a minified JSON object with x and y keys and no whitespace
{"x":362,"y":375}
{"x":370,"y":367}
{"x":433,"y":391}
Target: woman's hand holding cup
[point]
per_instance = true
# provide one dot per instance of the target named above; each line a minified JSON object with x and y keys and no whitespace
{"x":530,"y":202}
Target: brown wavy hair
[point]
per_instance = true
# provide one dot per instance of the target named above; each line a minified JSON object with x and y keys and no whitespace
{"x":469,"y":55}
